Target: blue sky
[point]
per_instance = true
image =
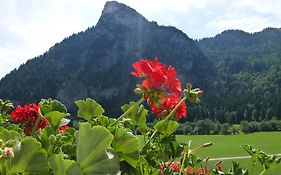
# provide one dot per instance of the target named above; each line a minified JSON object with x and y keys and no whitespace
{"x":28,"y":28}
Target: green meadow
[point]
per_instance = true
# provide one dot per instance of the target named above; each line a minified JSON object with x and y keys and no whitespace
{"x":230,"y":146}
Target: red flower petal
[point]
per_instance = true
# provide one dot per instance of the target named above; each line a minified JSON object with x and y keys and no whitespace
{"x":63,"y":128}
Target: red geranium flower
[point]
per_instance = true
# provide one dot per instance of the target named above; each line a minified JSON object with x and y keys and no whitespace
{"x":174,"y":165}
{"x":160,"y":87}
{"x":194,"y":171}
{"x":27,"y":115}
{"x":157,"y":76}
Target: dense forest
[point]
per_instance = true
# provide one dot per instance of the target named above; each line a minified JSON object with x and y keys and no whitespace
{"x":239,"y":72}
{"x":249,"y":68}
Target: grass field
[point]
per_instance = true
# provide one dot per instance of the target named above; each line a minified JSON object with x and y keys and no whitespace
{"x":230,"y":146}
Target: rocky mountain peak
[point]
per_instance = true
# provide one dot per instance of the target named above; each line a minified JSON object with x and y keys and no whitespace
{"x":114,"y":6}
{"x":119,"y":14}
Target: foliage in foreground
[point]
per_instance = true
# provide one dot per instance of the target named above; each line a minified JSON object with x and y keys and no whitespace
{"x":36,"y":138}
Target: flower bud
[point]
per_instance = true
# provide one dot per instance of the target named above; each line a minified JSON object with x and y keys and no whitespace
{"x":8,"y":152}
{"x":52,"y":138}
{"x":137,"y":91}
{"x":207,"y":144}
{"x":145,"y":96}
{"x":188,"y":86}
{"x":200,"y":93}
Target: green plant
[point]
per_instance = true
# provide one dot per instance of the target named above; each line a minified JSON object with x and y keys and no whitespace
{"x":43,"y":143}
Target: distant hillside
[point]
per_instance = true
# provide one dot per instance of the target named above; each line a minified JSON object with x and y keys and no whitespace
{"x":97,"y":63}
{"x":249,"y":67}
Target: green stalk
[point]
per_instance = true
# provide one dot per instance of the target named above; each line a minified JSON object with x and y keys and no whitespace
{"x":3,"y":169}
{"x":127,"y":112}
{"x":182,"y":164}
{"x":192,"y":151}
{"x":263,"y":172}
{"x":36,"y":124}
{"x":253,"y":164}
{"x":169,"y":116}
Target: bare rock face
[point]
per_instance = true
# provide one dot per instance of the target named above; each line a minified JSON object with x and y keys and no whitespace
{"x":121,"y":14}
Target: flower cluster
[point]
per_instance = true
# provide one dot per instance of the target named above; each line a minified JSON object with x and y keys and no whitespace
{"x":160,"y":87}
{"x":188,"y":171}
{"x":28,"y":115}
{"x":194,"y":171}
{"x":174,"y":166}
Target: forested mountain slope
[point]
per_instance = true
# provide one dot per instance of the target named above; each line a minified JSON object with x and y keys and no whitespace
{"x":97,"y":63}
{"x":249,"y":67}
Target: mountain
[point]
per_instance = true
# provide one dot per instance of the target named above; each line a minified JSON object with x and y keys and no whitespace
{"x":96,"y":63}
{"x":249,"y":68}
{"x":240,"y":72}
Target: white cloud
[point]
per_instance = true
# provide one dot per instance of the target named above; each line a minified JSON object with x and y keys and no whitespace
{"x":250,"y":16}
{"x":242,"y":23}
{"x":29,"y":28}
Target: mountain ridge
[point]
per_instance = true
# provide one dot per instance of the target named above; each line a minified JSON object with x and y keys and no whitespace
{"x":249,"y":66}
{"x":78,"y":66}
{"x":238,"y":71}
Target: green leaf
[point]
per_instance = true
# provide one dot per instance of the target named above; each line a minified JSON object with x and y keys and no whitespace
{"x":253,"y":152}
{"x":52,"y":105}
{"x":168,"y":127}
{"x":16,"y":128}
{"x":89,"y":109}
{"x":74,"y":169}
{"x":44,"y":137}
{"x":93,"y":153}
{"x":143,"y":129}
{"x":59,"y":165}
{"x":137,"y":115}
{"x":236,"y":169}
{"x":127,"y":145}
{"x":58,"y":106}
{"x":103,"y":120}
{"x":6,"y":135}
{"x":271,"y":161}
{"x":267,"y":161}
{"x":54,"y":118}
{"x":29,"y":158}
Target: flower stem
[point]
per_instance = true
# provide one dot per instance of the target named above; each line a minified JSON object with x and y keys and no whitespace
{"x":253,"y":164}
{"x":202,"y":146}
{"x":127,"y":112}
{"x":263,"y":172}
{"x":169,"y":116}
{"x":182,"y":164}
{"x":36,"y":124}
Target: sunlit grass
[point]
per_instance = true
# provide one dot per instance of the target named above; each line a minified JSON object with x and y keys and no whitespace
{"x":230,"y":146}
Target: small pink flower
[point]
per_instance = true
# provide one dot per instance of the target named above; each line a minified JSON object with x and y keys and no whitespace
{"x":8,"y":152}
